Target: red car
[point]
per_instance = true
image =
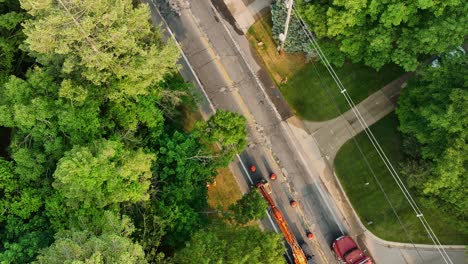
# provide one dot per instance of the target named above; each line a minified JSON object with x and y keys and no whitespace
{"x":348,"y":252}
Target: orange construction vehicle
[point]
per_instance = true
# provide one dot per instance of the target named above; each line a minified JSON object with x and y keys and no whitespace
{"x":299,"y":256}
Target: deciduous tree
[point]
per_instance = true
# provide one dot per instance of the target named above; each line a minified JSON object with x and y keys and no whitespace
{"x":36,"y":108}
{"x":24,"y":228}
{"x":222,"y":243}
{"x":91,"y":179}
{"x":433,"y":109}
{"x":108,"y":43}
{"x":12,"y":59}
{"x":252,"y":206}
{"x":183,"y":167}
{"x":226,"y":128}
{"x":111,"y":245}
{"x":382,"y":32}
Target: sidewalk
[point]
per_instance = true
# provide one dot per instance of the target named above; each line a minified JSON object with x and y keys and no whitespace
{"x":332,"y":134}
{"x":318,"y":148}
{"x":245,"y":12}
{"x":382,"y":251}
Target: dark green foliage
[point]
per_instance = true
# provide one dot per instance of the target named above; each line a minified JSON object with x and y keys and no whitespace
{"x":296,"y":40}
{"x":223,"y":243}
{"x":185,"y":163}
{"x":12,"y":59}
{"x":111,"y":245}
{"x":183,"y":167}
{"x":22,"y":238}
{"x":90,"y":142}
{"x":380,"y":32}
{"x":252,"y":206}
{"x":433,"y":113}
{"x":24,"y":228}
{"x":150,"y":228}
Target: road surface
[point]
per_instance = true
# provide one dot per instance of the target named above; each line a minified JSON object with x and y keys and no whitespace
{"x":229,"y":84}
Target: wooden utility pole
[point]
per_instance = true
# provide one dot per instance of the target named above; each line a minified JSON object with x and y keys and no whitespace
{"x":282,"y":36}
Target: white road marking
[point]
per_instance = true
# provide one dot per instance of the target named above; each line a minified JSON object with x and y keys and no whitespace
{"x":209,"y":101}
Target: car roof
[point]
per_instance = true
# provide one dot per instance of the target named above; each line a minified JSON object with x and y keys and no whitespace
{"x":343,"y":244}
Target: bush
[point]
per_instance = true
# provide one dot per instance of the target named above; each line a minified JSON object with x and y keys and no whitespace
{"x":296,"y":40}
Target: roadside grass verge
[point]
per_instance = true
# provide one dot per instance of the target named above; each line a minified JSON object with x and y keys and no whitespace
{"x":369,"y":201}
{"x":225,"y":192}
{"x":278,"y":67}
{"x":313,"y":93}
{"x":307,"y":86}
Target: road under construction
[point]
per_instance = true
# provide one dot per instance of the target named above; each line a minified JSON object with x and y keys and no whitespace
{"x":297,"y":252}
{"x":223,"y":79}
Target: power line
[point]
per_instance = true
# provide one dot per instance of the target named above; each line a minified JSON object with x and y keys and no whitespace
{"x":379,"y":184}
{"x":375,"y":143}
{"x":289,"y":5}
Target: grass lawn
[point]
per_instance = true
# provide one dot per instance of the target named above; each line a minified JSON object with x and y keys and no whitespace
{"x":369,"y":201}
{"x":225,"y":192}
{"x":308,"y":87}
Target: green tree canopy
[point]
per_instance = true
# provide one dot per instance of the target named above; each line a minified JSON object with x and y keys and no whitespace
{"x":296,"y":40}
{"x":97,"y":177}
{"x":21,"y":239}
{"x":111,"y":245}
{"x":81,"y":247}
{"x":186,"y":162}
{"x":107,"y":42}
{"x":87,"y":123}
{"x":221,"y":243}
{"x":226,"y":128}
{"x":380,"y":32}
{"x":12,"y":59}
{"x":433,"y":114}
{"x":183,"y":167}
{"x":101,"y":87}
{"x":24,"y":229}
{"x":252,"y":206}
{"x":36,"y":108}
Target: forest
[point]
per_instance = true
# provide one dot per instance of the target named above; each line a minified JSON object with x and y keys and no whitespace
{"x":95,"y":165}
{"x":381,"y":32}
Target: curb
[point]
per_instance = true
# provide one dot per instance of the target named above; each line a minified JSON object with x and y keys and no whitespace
{"x":373,"y":236}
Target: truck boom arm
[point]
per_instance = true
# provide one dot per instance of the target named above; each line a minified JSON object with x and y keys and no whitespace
{"x":299,"y":256}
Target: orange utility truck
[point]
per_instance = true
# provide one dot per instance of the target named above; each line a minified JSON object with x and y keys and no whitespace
{"x":298,"y":254}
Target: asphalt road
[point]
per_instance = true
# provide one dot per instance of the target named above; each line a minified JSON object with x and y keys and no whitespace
{"x":220,"y":74}
{"x":230,"y":85}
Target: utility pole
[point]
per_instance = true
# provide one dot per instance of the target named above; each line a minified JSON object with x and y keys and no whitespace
{"x":282,"y":36}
